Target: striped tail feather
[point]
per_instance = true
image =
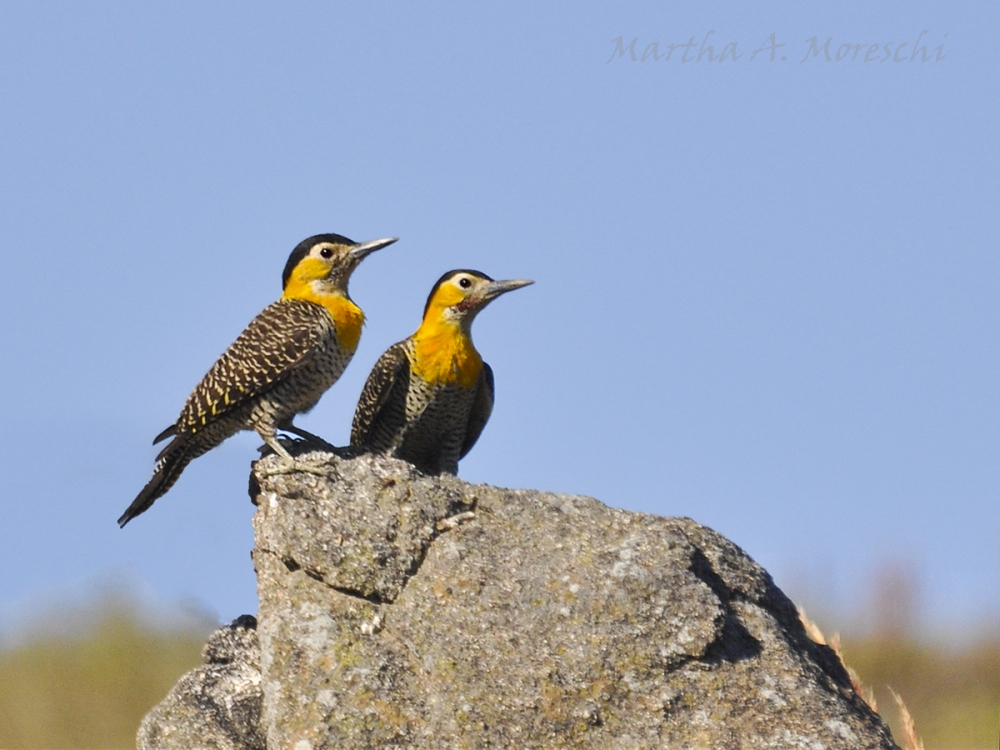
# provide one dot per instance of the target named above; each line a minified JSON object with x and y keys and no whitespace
{"x":171,"y":462}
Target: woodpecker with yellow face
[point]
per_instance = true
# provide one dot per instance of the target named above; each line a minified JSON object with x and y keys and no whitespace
{"x":288,"y":356}
{"x":428,"y":397}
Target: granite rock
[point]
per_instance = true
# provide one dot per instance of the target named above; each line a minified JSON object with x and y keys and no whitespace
{"x":399,"y":610}
{"x":216,"y":706}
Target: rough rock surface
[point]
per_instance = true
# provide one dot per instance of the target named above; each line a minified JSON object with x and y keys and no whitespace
{"x":398,"y":611}
{"x":216,"y":705}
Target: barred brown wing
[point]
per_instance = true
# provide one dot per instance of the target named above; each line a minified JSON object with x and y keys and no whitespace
{"x":383,"y":397}
{"x":482,"y":407}
{"x":279,"y":340}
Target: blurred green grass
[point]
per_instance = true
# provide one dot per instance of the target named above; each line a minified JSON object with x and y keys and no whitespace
{"x":953,"y":693}
{"x":85,"y":678}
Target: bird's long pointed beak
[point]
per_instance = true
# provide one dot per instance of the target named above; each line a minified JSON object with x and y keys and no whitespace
{"x":495,"y":288}
{"x":364,"y":249}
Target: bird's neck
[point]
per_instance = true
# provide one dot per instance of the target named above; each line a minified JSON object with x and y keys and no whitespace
{"x":445,"y":354}
{"x":347,"y":317}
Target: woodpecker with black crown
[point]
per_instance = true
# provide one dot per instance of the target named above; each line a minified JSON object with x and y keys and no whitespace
{"x":280,"y":366}
{"x":429,"y":396}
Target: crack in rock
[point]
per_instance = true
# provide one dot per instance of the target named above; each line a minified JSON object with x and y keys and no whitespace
{"x":358,"y":532}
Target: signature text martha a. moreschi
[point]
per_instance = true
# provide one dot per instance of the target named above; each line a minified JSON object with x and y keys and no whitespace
{"x":814,"y":48}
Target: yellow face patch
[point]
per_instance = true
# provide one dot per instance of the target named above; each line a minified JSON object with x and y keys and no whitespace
{"x":308,"y":270}
{"x":447,"y":294}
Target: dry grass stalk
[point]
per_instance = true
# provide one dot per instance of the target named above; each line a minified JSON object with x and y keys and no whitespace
{"x":913,"y":741}
{"x":867,"y":692}
{"x":812,"y":629}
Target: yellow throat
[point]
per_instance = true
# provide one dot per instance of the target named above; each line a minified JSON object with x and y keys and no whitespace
{"x":347,"y":317}
{"x":443,"y":349}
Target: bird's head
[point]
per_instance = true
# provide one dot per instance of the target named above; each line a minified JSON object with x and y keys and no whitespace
{"x":459,"y":295}
{"x":322,"y":265}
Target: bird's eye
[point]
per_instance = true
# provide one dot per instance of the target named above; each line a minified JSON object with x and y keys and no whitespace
{"x":464,"y":283}
{"x":326,"y":252}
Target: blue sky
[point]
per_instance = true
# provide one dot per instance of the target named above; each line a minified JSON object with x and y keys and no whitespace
{"x":766,"y":291}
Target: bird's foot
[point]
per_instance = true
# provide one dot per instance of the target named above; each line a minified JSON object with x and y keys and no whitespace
{"x":288,"y":464}
{"x":304,"y":434}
